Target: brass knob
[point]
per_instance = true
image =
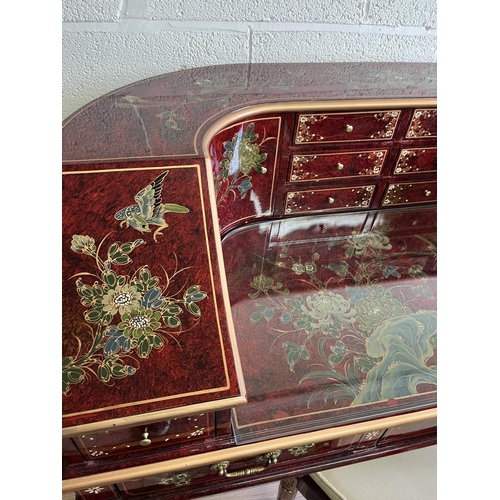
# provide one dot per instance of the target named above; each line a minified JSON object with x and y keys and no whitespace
{"x":145,"y":439}
{"x":349,"y":128}
{"x":340,"y":166}
{"x":427,"y":192}
{"x":331,"y":200}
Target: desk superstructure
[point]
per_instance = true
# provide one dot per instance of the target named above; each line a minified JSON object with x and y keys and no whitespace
{"x":249,"y":276}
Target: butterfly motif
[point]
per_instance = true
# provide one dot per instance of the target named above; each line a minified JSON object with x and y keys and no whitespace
{"x":149,"y":209}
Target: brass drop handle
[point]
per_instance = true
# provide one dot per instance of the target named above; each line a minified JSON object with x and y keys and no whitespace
{"x":427,"y":192}
{"x":145,"y":438}
{"x":331,"y":200}
{"x":340,"y":166}
{"x":349,"y":128}
{"x":221,"y":467}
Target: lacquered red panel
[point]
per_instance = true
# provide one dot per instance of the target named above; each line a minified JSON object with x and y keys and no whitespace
{"x":406,"y":193}
{"x":244,"y":160}
{"x":167,"y":115}
{"x":327,"y":166}
{"x":343,"y":127}
{"x":335,"y":317}
{"x":147,"y":437}
{"x":321,"y":199}
{"x":416,"y":160}
{"x":423,"y":124}
{"x":144,"y":324}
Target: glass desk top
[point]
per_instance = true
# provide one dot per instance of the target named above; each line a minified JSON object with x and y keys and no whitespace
{"x":335,"y":319}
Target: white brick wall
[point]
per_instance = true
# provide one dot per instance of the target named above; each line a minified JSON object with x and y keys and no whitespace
{"x":110,"y":43}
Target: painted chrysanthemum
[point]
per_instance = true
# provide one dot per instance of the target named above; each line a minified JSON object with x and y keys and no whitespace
{"x":324,"y":306}
{"x":121,"y":299}
{"x":358,"y":244}
{"x":139,"y":322}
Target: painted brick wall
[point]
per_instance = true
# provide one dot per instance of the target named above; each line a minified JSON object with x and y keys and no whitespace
{"x":110,"y":43}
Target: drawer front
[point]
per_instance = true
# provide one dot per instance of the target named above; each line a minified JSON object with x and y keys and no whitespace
{"x":159,"y":435}
{"x":318,"y":200}
{"x":342,"y":127}
{"x":177,"y":484}
{"x":410,"y":192}
{"x":416,"y":160}
{"x":423,"y":124}
{"x":218,"y":472}
{"x":317,"y":167}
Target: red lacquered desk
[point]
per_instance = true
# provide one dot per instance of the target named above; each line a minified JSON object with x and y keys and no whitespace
{"x":249,"y":276}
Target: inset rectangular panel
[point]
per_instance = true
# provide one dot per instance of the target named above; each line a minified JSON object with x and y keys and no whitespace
{"x":319,"y":167}
{"x":342,"y":127}
{"x":317,"y":200}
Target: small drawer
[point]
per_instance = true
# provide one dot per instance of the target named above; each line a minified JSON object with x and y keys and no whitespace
{"x":317,"y":200}
{"x":423,"y":124}
{"x":319,"y":167}
{"x":416,"y":160}
{"x":410,"y":192}
{"x":342,"y":127}
{"x":134,"y":439}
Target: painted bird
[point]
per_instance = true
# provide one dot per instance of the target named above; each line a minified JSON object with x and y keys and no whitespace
{"x":149,"y":209}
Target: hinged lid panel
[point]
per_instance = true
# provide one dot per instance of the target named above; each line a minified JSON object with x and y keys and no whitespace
{"x":144,"y":321}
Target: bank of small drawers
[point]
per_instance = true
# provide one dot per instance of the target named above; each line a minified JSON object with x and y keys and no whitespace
{"x":379,"y":171}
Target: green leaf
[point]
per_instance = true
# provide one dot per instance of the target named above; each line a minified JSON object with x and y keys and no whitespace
{"x":269,"y":314}
{"x":104,"y":373}
{"x":171,"y":321}
{"x":93,"y":316}
{"x":173,"y":207}
{"x":122,"y":260}
{"x":256,"y":317}
{"x":144,"y":347}
{"x":193,"y":309}
{"x":157,"y":341}
{"x":70,"y":376}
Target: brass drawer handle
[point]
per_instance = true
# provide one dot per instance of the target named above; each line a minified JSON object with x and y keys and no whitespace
{"x":340,"y":166}
{"x":221,"y":467}
{"x":349,"y":128}
{"x":427,"y":192}
{"x":331,"y":200}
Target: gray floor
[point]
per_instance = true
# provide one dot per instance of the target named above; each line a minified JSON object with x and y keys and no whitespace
{"x":267,"y":491}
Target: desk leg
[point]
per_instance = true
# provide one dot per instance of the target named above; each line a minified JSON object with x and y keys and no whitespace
{"x":288,"y":489}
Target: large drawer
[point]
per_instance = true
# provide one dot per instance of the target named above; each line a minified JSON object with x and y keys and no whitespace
{"x":319,"y":167}
{"x":229,"y":471}
{"x":342,"y":127}
{"x":318,"y":200}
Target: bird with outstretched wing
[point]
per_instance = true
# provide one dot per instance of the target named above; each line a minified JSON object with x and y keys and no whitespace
{"x":149,"y":209}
